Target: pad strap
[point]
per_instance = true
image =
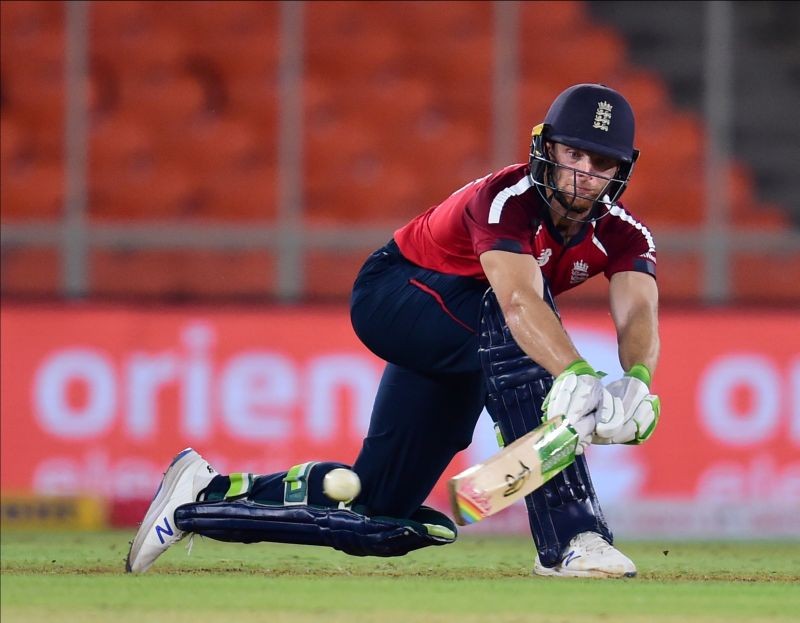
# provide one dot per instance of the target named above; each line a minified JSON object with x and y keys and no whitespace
{"x":296,"y":489}
{"x":240,"y":484}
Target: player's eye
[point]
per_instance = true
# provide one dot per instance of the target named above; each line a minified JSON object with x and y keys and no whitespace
{"x":604,"y":164}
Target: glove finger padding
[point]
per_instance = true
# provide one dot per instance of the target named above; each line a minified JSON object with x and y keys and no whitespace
{"x":584,"y":426}
{"x":576,"y":394}
{"x":610,"y":416}
{"x":641,"y":411}
{"x":630,"y":390}
{"x":645,"y":417}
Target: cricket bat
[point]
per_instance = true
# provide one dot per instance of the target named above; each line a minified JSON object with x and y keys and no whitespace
{"x":517,"y":470}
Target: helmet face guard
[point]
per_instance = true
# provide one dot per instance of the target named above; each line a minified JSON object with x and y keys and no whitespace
{"x":543,"y":168}
{"x":593,"y":118}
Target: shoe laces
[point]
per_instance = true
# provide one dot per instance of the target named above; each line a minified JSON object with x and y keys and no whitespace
{"x":592,"y":543}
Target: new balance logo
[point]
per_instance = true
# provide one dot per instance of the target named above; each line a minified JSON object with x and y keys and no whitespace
{"x":570,"y":557}
{"x":165,"y":530}
{"x":544,"y":256}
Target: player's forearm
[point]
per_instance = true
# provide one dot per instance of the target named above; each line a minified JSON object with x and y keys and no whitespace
{"x":538,"y":332}
{"x":519,"y":286}
{"x":638,"y":339}
{"x":634,"y":308}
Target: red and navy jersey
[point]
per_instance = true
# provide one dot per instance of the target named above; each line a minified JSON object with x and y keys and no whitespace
{"x":504,"y":211}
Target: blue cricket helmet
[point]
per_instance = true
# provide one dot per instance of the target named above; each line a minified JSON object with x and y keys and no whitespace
{"x":595,"y":118}
{"x":592,"y":117}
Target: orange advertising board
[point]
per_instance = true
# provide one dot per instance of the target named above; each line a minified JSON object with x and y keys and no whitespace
{"x":96,"y":400}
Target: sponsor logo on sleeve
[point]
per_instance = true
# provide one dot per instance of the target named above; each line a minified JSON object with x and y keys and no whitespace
{"x":544,"y":256}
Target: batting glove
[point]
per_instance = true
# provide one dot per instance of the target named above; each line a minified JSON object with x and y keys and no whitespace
{"x":641,"y":408}
{"x":579,"y":395}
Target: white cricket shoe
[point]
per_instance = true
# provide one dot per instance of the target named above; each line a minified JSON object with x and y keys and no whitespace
{"x":589,"y":556}
{"x":186,"y":476}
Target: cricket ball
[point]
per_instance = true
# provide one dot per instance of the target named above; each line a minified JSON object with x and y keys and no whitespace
{"x":341,"y":484}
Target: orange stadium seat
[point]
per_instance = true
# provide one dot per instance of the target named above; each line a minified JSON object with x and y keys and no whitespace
{"x":201,"y":21}
{"x":442,"y":20}
{"x":348,"y":19}
{"x":459,"y":71}
{"x":680,"y":277}
{"x":30,"y":18}
{"x":329,"y":273}
{"x":766,"y":277}
{"x":164,"y":100}
{"x":181,"y":273}
{"x":250,"y":87}
{"x":552,"y":18}
{"x":34,"y":86}
{"x":216,"y":146}
{"x":255,"y":105}
{"x":679,"y":136}
{"x":594,"y":55}
{"x":124,"y":19}
{"x":366,"y":59}
{"x":745,"y":209}
{"x":533,"y":100}
{"x":33,"y":191}
{"x":243,"y":195}
{"x":30,"y":271}
{"x":119,"y":145}
{"x":135,"y":45}
{"x":159,"y":193}
{"x":450,"y":56}
{"x":371,"y":190}
{"x":646,"y":92}
{"x":447,"y":158}
{"x":40,"y":52}
{"x":15,"y":143}
{"x":668,"y":186}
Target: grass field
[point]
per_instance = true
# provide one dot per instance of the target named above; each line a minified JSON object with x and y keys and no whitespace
{"x":79,"y":577}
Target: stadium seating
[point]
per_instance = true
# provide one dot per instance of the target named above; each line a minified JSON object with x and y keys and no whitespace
{"x":30,"y":271}
{"x":397,"y":101}
{"x":177,"y":275}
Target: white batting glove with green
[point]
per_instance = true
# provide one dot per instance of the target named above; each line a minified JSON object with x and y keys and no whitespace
{"x":579,"y":395}
{"x":641,"y":408}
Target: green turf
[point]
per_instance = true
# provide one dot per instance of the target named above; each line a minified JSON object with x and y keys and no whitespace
{"x":54,"y":578}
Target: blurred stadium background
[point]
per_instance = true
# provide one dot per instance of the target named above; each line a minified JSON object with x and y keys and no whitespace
{"x":189,"y":188}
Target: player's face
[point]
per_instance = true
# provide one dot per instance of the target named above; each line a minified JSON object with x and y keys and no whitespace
{"x":581,"y":177}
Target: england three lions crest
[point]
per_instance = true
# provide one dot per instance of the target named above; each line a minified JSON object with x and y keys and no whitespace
{"x":602,"y":116}
{"x":580,"y":272}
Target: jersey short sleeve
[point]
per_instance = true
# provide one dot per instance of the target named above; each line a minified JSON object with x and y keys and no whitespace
{"x":628,"y":242}
{"x":498,"y":216}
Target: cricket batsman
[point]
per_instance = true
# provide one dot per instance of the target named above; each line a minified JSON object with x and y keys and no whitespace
{"x":460,"y":304}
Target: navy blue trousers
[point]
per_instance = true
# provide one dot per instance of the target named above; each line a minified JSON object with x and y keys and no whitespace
{"x":425,"y":325}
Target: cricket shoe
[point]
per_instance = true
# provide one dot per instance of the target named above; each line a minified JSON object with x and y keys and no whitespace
{"x":589,"y":556}
{"x":187,"y":475}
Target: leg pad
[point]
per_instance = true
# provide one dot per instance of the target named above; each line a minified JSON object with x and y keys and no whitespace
{"x":245,"y":521}
{"x":566,"y":505}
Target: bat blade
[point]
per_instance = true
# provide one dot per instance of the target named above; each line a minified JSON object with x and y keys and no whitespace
{"x":517,"y":470}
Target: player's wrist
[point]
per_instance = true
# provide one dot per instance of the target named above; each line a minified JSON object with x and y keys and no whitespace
{"x":641,"y":372}
{"x":579,"y":367}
